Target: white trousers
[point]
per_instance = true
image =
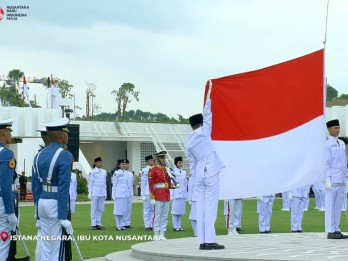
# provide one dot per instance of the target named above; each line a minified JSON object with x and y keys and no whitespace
{"x":72,"y":206}
{"x":97,"y":209}
{"x":234,"y":209}
{"x":38,"y":249}
{"x":333,"y":205}
{"x":127,"y":217}
{"x":4,"y":228}
{"x":285,"y":199}
{"x":297,"y":209}
{"x":265,"y":214}
{"x":161,"y":216}
{"x":207,"y":193}
{"x":148,"y":212}
{"x":344,"y":202}
{"x":52,"y":250}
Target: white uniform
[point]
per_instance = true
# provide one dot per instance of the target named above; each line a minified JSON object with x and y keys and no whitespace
{"x":179,"y":196}
{"x":336,"y":169}
{"x":127,"y":218}
{"x":73,"y":191}
{"x":319,"y":194}
{"x":97,"y":188}
{"x":298,"y":205}
{"x":286,"y":202}
{"x":345,"y":200}
{"x":232,"y":212}
{"x":193,"y":199}
{"x":120,"y":195}
{"x":205,"y":165}
{"x":147,"y":207}
{"x":264,"y":208}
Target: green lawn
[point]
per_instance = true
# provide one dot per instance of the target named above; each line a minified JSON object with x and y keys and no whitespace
{"x":313,"y":222}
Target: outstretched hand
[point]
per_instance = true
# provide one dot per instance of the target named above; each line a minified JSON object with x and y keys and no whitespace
{"x":210,"y":88}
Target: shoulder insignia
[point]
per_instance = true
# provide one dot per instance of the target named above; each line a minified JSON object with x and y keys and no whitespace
{"x":12,"y":163}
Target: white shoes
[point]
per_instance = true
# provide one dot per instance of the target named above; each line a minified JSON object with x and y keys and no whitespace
{"x":232,"y":231}
{"x":159,"y":236}
{"x":285,"y":209}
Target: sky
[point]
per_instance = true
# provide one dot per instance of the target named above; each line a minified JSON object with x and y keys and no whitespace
{"x":167,"y":48}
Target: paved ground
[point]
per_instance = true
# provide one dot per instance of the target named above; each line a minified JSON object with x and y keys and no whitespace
{"x":294,"y":246}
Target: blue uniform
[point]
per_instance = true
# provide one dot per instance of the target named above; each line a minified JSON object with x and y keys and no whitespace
{"x":7,"y":166}
{"x":52,"y":199}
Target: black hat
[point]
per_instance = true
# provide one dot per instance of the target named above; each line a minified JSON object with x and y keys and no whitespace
{"x":177,"y":159}
{"x":160,"y":154}
{"x":148,"y":157}
{"x":97,"y":159}
{"x":332,"y":123}
{"x":122,"y":161}
{"x":196,"y":119}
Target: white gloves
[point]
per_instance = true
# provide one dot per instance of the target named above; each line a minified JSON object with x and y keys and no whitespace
{"x":209,"y":90}
{"x":38,"y":224}
{"x":113,"y":197}
{"x":67,"y":225}
{"x":260,"y":198}
{"x":177,"y":185}
{"x":89,"y":195}
{"x":328,"y":183}
{"x":12,"y":222}
{"x":290,"y":196}
{"x":153,"y":202}
{"x":143,"y":198}
{"x":190,"y":202}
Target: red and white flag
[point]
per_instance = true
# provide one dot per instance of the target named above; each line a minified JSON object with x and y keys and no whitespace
{"x":269,"y":127}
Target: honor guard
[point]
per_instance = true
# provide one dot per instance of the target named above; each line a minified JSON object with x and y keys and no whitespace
{"x":179,"y":195}
{"x":232,"y":209}
{"x":97,"y":193}
{"x":159,"y":185}
{"x":264,"y":208}
{"x":8,"y":219}
{"x":145,"y":193}
{"x":130,"y":193}
{"x":192,"y":198}
{"x":51,"y":181}
{"x":120,"y":187}
{"x":205,"y":165}
{"x":335,"y":181}
{"x":297,"y":199}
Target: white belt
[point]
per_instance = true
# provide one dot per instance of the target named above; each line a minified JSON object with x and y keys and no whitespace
{"x":161,"y":185}
{"x":49,"y":188}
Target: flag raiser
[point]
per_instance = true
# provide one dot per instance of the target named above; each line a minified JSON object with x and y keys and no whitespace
{"x":268,"y":127}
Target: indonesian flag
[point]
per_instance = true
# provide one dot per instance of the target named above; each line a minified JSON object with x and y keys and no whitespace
{"x":26,"y":91}
{"x":269,"y":127}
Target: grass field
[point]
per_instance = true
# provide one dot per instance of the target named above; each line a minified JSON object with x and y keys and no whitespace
{"x":313,"y":221}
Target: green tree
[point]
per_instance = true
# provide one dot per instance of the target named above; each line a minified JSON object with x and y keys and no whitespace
{"x":343,"y":96}
{"x":123,"y":96}
{"x":63,"y":86}
{"x":11,"y":97}
{"x":15,"y":75}
{"x":331,"y":93}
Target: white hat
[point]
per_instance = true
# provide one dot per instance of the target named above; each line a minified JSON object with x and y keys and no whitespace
{"x":57,"y":125}
{"x":6,"y":124}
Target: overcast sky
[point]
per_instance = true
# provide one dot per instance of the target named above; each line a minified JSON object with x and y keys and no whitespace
{"x":167,"y":48}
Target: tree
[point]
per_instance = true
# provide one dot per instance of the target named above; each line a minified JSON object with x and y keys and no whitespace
{"x":63,"y":86}
{"x":15,"y":75}
{"x":123,"y":96}
{"x":343,"y":96}
{"x":331,"y":93}
{"x":11,"y":97}
{"x":91,"y":88}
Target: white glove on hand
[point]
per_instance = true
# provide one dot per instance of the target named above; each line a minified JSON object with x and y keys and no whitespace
{"x":260,"y":198}
{"x":67,"y":225}
{"x":328,"y":183}
{"x":38,"y":224}
{"x":190,"y":202}
{"x":209,"y":90}
{"x":177,"y":186}
{"x":290,"y":196}
{"x":89,"y":195}
{"x":12,"y":222}
{"x":153,"y":202}
{"x":143,"y":198}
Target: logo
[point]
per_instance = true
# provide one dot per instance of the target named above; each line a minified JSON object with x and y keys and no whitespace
{"x":2,"y":13}
{"x":4,"y":236}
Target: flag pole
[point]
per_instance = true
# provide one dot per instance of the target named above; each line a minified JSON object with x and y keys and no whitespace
{"x":327,"y":15}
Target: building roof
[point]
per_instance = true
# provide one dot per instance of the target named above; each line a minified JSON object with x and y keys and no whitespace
{"x":337,"y":102}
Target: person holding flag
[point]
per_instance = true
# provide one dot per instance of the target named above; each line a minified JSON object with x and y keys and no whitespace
{"x":205,"y":165}
{"x":26,"y":91}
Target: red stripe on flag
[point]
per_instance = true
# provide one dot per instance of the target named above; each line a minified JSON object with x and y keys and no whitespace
{"x":269,"y":101}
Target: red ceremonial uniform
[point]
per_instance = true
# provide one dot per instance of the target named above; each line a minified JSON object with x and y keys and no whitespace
{"x":159,"y":183}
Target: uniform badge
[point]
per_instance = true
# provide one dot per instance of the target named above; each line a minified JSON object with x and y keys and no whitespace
{"x":12,"y":163}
